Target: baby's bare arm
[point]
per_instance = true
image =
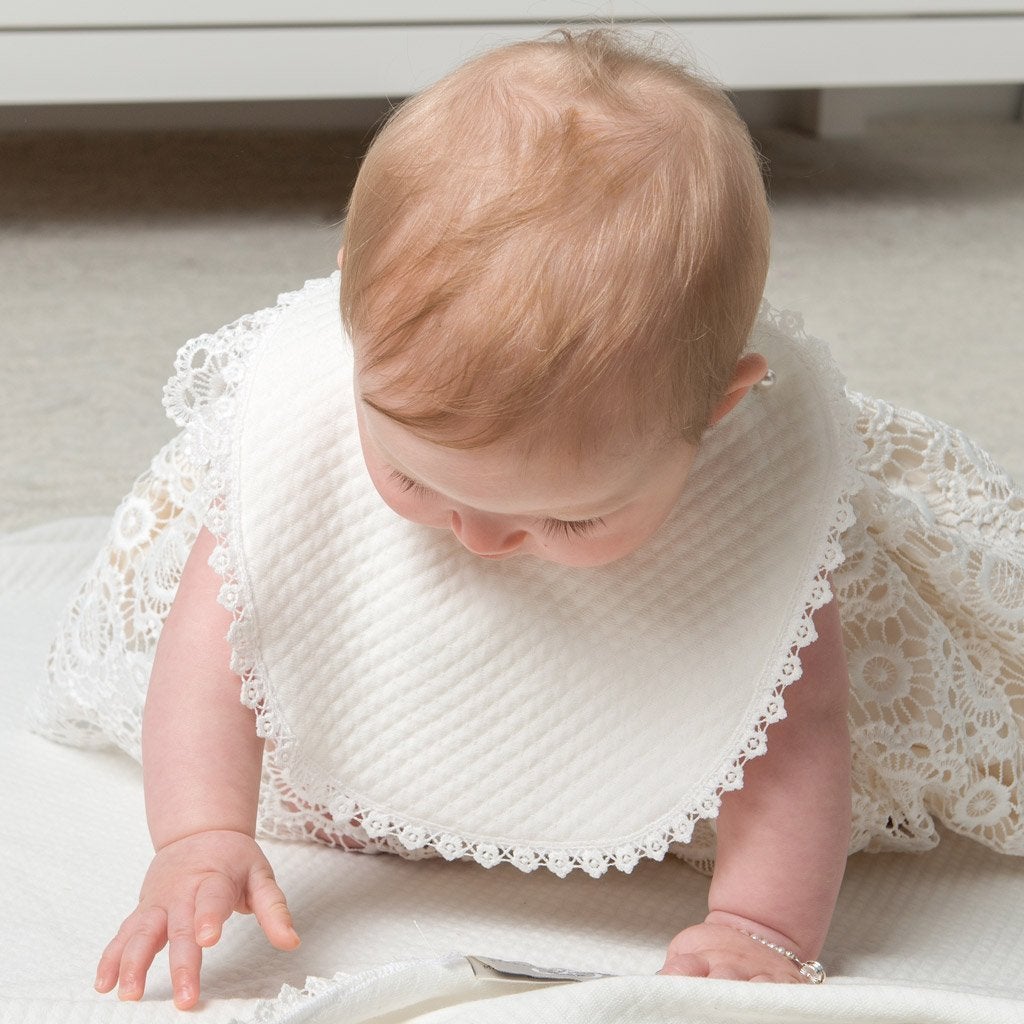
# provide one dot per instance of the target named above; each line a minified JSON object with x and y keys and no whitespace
{"x":201,"y":769}
{"x":783,"y":838}
{"x":201,"y":757}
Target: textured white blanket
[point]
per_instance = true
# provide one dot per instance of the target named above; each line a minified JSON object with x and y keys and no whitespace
{"x":929,"y":938}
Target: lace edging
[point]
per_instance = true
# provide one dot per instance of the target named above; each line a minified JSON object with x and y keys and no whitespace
{"x":295,"y":1004}
{"x":292,"y":1002}
{"x":204,"y":397}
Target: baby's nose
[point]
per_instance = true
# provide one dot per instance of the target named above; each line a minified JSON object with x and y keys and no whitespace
{"x":486,"y":535}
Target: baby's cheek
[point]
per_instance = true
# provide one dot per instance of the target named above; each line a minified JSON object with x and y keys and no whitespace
{"x":603,"y":550}
{"x":583,"y":553}
{"x":614,"y":549}
{"x":416,"y":510}
{"x":407,"y":504}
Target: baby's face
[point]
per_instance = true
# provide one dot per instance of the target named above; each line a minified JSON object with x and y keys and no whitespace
{"x":499,"y":504}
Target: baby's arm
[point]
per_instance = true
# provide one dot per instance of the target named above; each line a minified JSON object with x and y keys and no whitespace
{"x":201,"y":770}
{"x":782,"y":838}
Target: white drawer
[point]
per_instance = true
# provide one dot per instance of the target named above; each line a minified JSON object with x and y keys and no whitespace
{"x":116,"y":13}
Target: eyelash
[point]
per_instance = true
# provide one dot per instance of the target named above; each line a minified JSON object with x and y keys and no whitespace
{"x":566,"y":528}
{"x":407,"y":483}
{"x":570,"y":528}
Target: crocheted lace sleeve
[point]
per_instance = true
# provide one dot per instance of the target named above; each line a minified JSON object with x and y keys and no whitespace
{"x":99,"y":663}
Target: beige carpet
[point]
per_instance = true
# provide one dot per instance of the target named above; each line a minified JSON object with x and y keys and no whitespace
{"x":904,"y":248}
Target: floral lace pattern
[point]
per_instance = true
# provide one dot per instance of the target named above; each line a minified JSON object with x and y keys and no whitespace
{"x":933,"y":616}
{"x":931,"y":596}
{"x":929,"y":577}
{"x":100,"y":661}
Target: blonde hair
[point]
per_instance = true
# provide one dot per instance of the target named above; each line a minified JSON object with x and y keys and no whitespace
{"x":559,"y":235}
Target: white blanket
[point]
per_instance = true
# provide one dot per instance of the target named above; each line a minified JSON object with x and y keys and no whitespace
{"x":916,"y":938}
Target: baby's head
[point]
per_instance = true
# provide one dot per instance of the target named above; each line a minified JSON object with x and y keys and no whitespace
{"x":552,"y":261}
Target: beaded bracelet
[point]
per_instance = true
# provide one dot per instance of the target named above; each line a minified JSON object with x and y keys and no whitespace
{"x":812,"y":970}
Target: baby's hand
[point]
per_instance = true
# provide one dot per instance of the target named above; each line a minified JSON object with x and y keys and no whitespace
{"x":718,"y":951}
{"x":192,"y":887}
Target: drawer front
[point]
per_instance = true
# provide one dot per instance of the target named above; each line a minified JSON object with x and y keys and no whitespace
{"x":183,"y":13}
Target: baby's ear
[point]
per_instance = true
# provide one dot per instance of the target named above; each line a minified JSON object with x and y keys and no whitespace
{"x":749,"y":370}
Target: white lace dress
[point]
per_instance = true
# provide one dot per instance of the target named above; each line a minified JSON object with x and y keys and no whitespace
{"x":921,"y":535}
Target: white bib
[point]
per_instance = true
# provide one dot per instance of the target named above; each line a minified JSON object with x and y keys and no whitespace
{"x":517,"y":710}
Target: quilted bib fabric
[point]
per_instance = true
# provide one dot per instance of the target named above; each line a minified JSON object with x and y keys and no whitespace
{"x":520,"y":711}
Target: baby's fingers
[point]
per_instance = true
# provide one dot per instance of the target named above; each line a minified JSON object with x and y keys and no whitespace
{"x":110,"y":961}
{"x":109,"y":968}
{"x":129,"y":955}
{"x":184,"y":956}
{"x":271,"y":909}
{"x":689,"y":964}
{"x":215,"y":902}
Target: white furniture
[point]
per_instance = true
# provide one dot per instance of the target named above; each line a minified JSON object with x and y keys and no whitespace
{"x":108,"y":51}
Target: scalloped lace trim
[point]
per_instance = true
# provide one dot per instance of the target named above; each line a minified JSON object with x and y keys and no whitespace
{"x":210,"y":374}
{"x":388,"y":988}
{"x":295,"y":1003}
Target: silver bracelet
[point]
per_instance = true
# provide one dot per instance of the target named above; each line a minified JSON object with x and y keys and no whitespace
{"x":812,"y":970}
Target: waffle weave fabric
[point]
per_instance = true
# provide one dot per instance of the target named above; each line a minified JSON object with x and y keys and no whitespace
{"x":425,"y":702}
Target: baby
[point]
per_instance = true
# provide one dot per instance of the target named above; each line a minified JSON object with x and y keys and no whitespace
{"x":552,"y":268}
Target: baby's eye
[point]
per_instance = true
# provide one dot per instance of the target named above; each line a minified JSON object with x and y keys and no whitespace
{"x":406,"y":483}
{"x":570,"y":527}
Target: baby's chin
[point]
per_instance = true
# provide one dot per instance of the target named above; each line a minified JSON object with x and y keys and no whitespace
{"x":589,"y":559}
{"x":586,"y":557}
{"x":568,"y":560}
